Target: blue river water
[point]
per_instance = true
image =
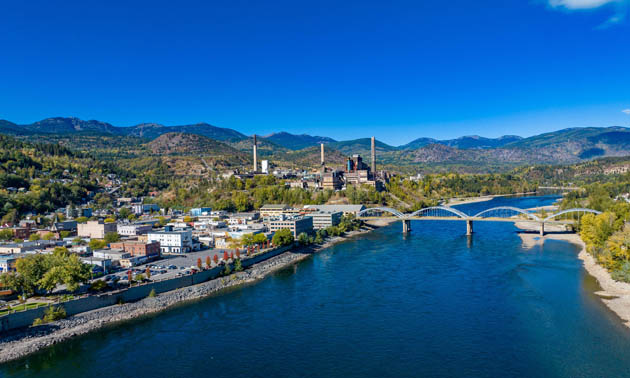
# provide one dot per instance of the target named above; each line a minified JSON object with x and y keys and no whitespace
{"x":434,"y":303}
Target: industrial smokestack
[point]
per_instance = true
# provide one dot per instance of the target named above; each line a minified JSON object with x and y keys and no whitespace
{"x":373,"y":157}
{"x":322,"y":153}
{"x":255,"y":154}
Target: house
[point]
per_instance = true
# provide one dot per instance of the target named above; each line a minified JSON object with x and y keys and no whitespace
{"x":297,"y":224}
{"x":95,"y":229}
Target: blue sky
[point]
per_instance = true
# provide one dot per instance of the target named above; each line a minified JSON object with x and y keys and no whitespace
{"x":397,"y":69}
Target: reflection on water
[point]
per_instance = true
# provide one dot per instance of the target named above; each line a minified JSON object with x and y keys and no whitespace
{"x":433,"y":303}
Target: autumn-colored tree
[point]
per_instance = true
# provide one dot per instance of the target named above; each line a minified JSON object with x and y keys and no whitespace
{"x":232,"y":255}
{"x":238,"y":254}
{"x":148,"y":272}
{"x":216,"y":259}
{"x":208,"y":262}
{"x":225,"y":256}
{"x":129,"y":277}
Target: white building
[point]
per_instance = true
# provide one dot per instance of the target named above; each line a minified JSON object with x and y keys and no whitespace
{"x":264,"y":166}
{"x":133,"y":229}
{"x":173,"y":241}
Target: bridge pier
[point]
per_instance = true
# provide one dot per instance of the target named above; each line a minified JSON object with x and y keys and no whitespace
{"x":542,"y":228}
{"x":469,"y":227}
{"x":406,"y":223}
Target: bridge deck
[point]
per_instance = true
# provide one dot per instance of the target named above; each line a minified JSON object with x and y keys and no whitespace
{"x":489,"y":219}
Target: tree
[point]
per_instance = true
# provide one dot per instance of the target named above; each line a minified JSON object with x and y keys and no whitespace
{"x":111,"y":237}
{"x":283,"y":237}
{"x":147,"y":271}
{"x":81,"y":219}
{"x":34,"y":237}
{"x":595,"y":229}
{"x":238,"y":266}
{"x":49,"y":236}
{"x":216,"y":259}
{"x":6,"y":234}
{"x":110,"y":220}
{"x":199,"y":265}
{"x":247,"y":240}
{"x":187,"y":219}
{"x":97,"y":244}
{"x":64,"y":234}
{"x":124,"y":213}
{"x":260,"y":238}
{"x":303,"y":238}
{"x":225,"y":256}
{"x":208,"y":264}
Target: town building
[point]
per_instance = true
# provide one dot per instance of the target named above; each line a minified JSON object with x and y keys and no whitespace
{"x":199,"y":211}
{"x":27,"y":246}
{"x":273,"y":210}
{"x":144,"y":208}
{"x":133,"y":229}
{"x":172,"y":241}
{"x":325,"y":219}
{"x":95,"y":229}
{"x":150,"y":250}
{"x":112,"y":254}
{"x":7,"y":263}
{"x":345,"y":209}
{"x":297,"y":224}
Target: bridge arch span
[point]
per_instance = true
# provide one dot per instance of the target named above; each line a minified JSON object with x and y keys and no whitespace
{"x":574,"y":210}
{"x":507,"y":209}
{"x":421,"y":212}
{"x":394,"y":212}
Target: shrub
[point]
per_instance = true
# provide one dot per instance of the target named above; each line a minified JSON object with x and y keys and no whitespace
{"x":622,"y":273}
{"x":152,"y":293}
{"x":98,"y":285}
{"x":227,"y":270}
{"x":51,"y":314}
{"x":238,"y":267}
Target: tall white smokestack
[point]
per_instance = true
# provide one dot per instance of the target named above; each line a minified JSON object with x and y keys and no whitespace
{"x":255,"y":154}
{"x":373,"y":157}
{"x":322,"y":154}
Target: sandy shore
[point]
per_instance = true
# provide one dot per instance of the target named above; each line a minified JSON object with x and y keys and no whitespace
{"x":615,"y":295}
{"x":22,"y":342}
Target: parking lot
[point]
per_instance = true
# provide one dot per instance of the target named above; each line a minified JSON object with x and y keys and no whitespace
{"x":170,"y":266}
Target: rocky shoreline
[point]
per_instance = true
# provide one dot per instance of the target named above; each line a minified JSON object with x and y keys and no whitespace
{"x":20,"y":343}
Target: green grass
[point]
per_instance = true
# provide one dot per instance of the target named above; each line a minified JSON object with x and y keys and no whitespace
{"x":21,"y":307}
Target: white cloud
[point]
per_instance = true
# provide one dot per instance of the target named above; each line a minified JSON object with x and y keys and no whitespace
{"x":620,"y":8}
{"x":580,"y":4}
{"x":627,"y":111}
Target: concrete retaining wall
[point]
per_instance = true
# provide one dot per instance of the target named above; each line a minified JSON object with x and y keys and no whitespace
{"x":132,"y":294}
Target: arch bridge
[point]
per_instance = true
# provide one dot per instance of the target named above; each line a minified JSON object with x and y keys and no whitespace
{"x":495,"y":214}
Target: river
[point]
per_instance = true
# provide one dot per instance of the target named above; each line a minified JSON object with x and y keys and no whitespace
{"x":433,"y":303}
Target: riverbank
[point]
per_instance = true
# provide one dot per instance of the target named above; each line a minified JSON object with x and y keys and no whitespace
{"x":614,"y":294}
{"x":467,"y":200}
{"x":20,"y":343}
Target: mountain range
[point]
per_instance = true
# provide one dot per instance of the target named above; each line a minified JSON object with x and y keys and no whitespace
{"x":563,"y":146}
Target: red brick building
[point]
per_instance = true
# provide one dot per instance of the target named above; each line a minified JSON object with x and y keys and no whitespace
{"x":138,"y":248}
